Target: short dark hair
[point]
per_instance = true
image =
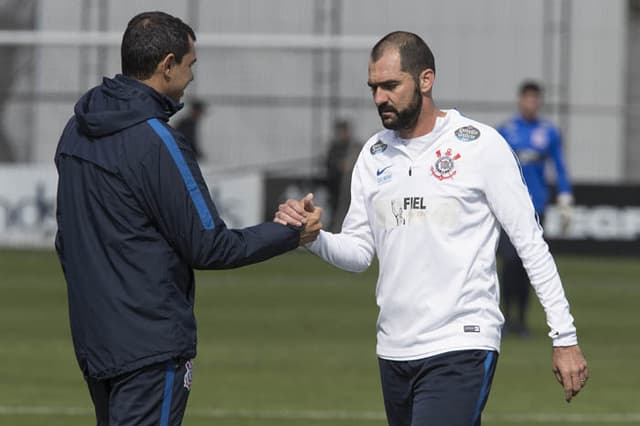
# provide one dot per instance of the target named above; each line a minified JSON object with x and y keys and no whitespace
{"x":149,"y":38}
{"x":530,"y":86}
{"x":415,"y":55}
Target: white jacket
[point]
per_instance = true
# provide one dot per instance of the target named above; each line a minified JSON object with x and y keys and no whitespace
{"x":431,"y":209}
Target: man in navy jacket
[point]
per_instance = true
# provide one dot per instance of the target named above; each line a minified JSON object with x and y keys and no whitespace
{"x":135,"y":218}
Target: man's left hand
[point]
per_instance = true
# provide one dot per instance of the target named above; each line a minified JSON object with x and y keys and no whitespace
{"x":570,"y":369}
{"x":294,"y":212}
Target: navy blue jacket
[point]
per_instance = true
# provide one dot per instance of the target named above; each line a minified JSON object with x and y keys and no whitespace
{"x":134,"y":218}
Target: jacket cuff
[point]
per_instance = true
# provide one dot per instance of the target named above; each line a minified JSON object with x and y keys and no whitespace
{"x":569,"y":339}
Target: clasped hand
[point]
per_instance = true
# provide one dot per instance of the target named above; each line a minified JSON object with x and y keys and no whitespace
{"x":301,"y":214}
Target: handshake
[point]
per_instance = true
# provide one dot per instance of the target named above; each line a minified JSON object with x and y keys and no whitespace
{"x":301,"y":214}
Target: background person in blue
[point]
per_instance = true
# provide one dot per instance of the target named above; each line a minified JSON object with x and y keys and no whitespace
{"x":134,"y":219}
{"x":536,"y":141}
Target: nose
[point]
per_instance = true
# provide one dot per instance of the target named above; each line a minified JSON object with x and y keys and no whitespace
{"x":380,"y":97}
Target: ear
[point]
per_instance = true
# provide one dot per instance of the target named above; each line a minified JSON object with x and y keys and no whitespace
{"x":426,"y":79}
{"x":166,"y":66}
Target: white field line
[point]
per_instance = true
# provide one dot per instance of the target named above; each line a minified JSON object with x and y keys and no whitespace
{"x":308,"y":415}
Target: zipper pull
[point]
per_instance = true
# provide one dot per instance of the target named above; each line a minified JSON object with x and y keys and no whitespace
{"x":409,"y":170}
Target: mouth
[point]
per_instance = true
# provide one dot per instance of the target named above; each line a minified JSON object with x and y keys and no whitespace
{"x":386,"y":113}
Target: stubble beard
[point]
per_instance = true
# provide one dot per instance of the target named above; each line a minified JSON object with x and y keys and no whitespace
{"x":405,"y":119}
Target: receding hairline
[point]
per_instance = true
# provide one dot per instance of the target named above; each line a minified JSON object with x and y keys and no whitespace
{"x":395,"y":40}
{"x":415,"y":55}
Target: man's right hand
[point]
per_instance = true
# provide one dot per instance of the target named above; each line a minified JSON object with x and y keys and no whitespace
{"x":301,"y":213}
{"x":314,"y":225}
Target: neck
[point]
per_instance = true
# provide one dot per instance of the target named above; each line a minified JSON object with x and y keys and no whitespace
{"x":529,"y":117}
{"x":426,"y":121}
{"x":156,"y":83}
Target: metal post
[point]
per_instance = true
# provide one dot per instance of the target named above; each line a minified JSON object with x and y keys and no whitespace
{"x":193,"y":14}
{"x":564,"y":68}
{"x":548,"y":49}
{"x":335,"y":63}
{"x":31,"y":70}
{"x":632,"y":100}
{"x":317,"y":84}
{"x":84,"y":65}
{"x":102,"y":51}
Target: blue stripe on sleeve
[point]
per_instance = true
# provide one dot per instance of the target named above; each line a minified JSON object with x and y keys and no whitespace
{"x":168,"y":392}
{"x":187,"y":176}
{"x":525,"y":184}
{"x":485,"y":386}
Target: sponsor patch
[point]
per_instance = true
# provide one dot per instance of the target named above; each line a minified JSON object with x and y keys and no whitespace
{"x":529,"y":156}
{"x":472,"y":329}
{"x":378,"y":147}
{"x":408,"y":209}
{"x":188,"y":375}
{"x":467,"y":133}
{"x":444,"y":167}
{"x":402,"y":211}
{"x":398,"y":212}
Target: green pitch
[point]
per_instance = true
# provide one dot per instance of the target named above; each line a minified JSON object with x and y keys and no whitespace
{"x":291,"y":342}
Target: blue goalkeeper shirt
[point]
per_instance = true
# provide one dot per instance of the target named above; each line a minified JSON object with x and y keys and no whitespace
{"x":536,"y":142}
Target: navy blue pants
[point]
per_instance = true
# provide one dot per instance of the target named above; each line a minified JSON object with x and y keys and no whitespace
{"x":444,"y":390}
{"x":154,"y":395}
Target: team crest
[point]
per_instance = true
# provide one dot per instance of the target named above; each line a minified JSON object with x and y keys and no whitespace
{"x":378,"y":147}
{"x":444,"y":167}
{"x":467,"y":133}
{"x":539,"y":138}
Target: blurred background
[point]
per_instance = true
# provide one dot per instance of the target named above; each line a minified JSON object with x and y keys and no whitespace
{"x":276,"y":74}
{"x":274,"y":81}
{"x":277,"y":83}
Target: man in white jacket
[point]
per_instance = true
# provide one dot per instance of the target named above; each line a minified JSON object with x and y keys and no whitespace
{"x":428,"y":197}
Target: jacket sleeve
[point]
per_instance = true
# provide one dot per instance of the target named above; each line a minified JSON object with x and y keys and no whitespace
{"x":353,"y":248}
{"x":510,"y":202}
{"x":176,"y":198}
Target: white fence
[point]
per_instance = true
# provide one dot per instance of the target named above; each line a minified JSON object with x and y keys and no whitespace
{"x":277,"y":73}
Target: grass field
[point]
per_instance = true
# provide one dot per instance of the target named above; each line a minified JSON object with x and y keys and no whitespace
{"x":291,"y":342}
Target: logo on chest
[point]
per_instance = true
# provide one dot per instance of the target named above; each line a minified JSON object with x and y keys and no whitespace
{"x":445,"y":166}
{"x":383,"y":174}
{"x":539,"y":138}
{"x":408,"y":209}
